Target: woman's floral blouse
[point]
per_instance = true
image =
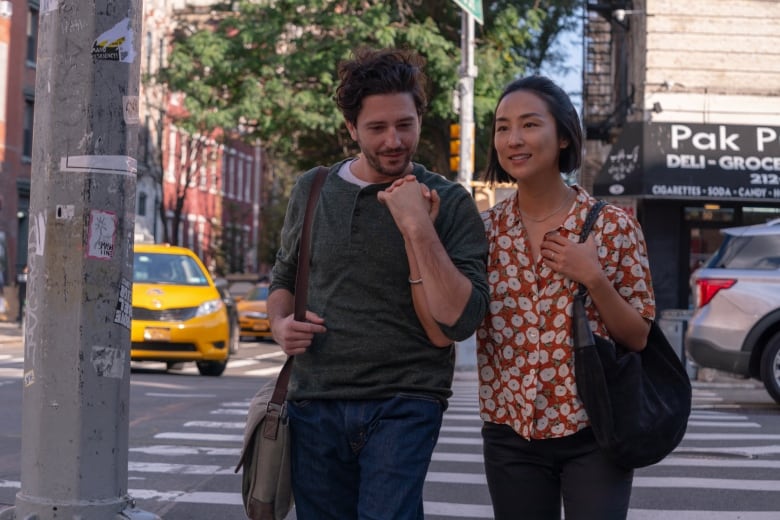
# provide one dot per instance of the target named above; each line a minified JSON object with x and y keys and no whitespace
{"x":524,"y":346}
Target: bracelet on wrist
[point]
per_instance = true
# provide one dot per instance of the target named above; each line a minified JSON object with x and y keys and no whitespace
{"x":415,"y":282}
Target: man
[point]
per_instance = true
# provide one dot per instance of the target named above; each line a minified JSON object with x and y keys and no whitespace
{"x":397,"y":274}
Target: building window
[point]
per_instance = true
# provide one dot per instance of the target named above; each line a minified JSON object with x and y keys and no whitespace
{"x":149,"y":53}
{"x":29,"y":109}
{"x":141,"y":210}
{"x":161,"y":53}
{"x":32,"y":33}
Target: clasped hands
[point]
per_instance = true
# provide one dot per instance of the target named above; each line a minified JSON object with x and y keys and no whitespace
{"x":408,"y":200}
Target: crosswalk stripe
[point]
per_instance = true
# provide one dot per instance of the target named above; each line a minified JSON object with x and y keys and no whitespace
{"x":448,"y":477}
{"x":719,"y":463}
{"x":179,"y":396}
{"x":439,"y":456}
{"x":216,"y":437}
{"x":263,"y":372}
{"x":16,"y":373}
{"x":178,"y":469}
{"x":197,"y":497}
{"x":270,"y":355}
{"x":744,"y":451}
{"x":660,"y":514}
{"x":731,"y":437}
{"x":462,"y":429}
{"x":178,"y":451}
{"x":723,"y":424}
{"x":238,"y":363}
{"x":713,"y":414}
{"x":460,"y":441}
{"x":215,"y":424}
{"x":229,"y":411}
{"x":707,"y":483}
{"x":450,"y":510}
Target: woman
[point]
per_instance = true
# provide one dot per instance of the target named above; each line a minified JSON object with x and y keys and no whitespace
{"x":538,"y":445}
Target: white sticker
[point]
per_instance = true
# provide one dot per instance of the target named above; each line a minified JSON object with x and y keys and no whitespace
{"x":117,"y":164}
{"x":116,"y":44}
{"x":64,"y":211}
{"x":38,"y":233}
{"x":124,"y":306}
{"x":130,"y":104}
{"x":108,"y":361}
{"x":102,"y":234}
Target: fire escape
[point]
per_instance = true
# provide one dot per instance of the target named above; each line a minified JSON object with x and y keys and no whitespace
{"x":607,"y":97}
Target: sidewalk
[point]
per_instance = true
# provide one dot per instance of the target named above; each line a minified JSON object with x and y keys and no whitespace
{"x":10,"y":333}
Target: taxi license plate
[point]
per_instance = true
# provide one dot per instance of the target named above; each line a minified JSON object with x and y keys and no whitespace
{"x":259,"y":327}
{"x":157,"y":334}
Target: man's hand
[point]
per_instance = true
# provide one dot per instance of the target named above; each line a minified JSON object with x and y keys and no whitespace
{"x":295,"y":337}
{"x":403,"y":200}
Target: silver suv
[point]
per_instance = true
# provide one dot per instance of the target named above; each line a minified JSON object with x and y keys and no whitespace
{"x":736,"y":323}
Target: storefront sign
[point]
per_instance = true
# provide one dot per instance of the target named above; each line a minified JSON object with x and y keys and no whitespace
{"x":684,"y":160}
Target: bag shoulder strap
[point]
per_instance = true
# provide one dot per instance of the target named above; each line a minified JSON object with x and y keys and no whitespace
{"x":587,"y":227}
{"x":590,"y":219}
{"x":301,"y":279}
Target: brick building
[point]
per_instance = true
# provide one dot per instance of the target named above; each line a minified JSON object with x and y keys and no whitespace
{"x":216,"y":180}
{"x":18,"y":47}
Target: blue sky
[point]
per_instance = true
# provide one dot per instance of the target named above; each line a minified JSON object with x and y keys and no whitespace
{"x":570,"y":43}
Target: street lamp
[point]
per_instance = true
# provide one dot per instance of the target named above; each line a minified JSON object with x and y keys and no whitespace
{"x":620,"y":14}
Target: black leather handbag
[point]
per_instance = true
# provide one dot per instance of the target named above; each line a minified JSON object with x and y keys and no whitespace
{"x":638,"y":402}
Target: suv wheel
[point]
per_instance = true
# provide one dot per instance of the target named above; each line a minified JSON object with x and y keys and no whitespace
{"x":770,"y":367}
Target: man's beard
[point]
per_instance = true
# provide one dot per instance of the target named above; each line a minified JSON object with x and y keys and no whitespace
{"x":375,"y":161}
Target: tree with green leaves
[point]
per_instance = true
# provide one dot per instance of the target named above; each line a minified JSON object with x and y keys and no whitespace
{"x":267,"y":68}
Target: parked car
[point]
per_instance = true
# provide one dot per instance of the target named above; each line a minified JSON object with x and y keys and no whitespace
{"x":735,"y":326}
{"x":230,"y":304}
{"x":253,"y":313}
{"x":178,"y":313}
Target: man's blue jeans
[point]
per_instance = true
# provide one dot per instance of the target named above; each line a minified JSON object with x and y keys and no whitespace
{"x":362,"y":459}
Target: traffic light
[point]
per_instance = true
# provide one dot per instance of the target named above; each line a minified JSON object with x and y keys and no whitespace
{"x":454,"y":147}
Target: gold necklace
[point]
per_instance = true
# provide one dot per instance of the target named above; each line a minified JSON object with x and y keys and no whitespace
{"x":542,"y":219}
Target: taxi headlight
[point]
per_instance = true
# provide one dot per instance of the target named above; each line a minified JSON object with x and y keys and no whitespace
{"x":209,"y":307}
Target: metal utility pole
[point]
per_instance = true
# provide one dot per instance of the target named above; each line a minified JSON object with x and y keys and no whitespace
{"x":471,"y":12}
{"x":76,"y":381}
{"x":468,"y":71}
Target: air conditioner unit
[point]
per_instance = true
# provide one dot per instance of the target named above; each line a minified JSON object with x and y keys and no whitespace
{"x":6,"y":9}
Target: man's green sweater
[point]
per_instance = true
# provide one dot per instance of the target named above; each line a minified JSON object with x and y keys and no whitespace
{"x":375,"y":347}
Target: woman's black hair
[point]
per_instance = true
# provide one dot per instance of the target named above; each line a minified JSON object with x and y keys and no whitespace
{"x":567,"y":124}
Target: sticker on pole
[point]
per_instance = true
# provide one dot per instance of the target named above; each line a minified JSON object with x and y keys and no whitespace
{"x":116,"y":44}
{"x":123,"y":313}
{"x":108,"y":361}
{"x":102,"y":234}
{"x":114,"y":164}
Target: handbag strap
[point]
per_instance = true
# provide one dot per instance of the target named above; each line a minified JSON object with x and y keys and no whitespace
{"x":587,"y":227}
{"x":301,"y":280}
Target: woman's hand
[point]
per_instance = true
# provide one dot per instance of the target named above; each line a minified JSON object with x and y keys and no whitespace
{"x":574,"y":260}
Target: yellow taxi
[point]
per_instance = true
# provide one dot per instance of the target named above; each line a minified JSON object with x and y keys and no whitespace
{"x":178,"y":314}
{"x":253,"y":313}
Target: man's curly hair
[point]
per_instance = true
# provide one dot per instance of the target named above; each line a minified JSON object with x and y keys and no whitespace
{"x":385,"y":71}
